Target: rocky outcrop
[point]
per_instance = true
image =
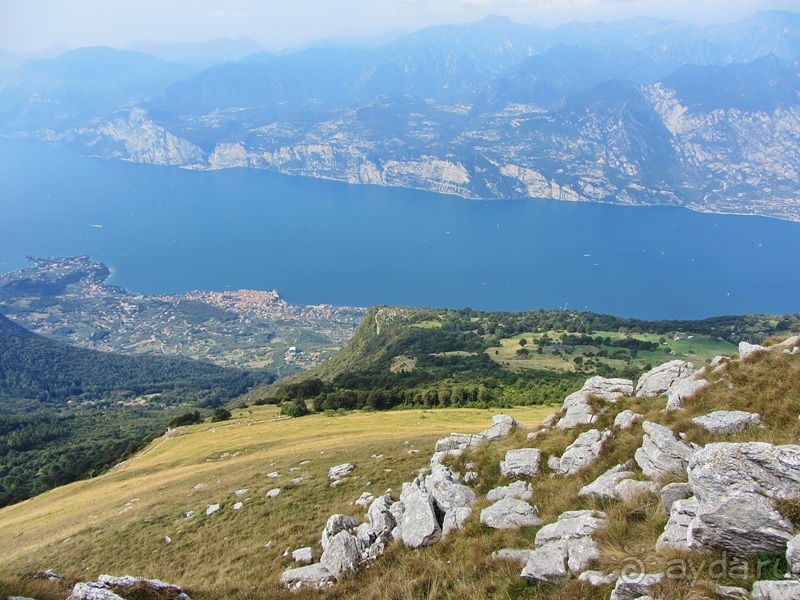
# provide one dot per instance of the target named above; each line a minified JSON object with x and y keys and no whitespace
{"x":676,"y":532}
{"x":727,"y":421}
{"x":662,"y":454}
{"x":582,"y":452}
{"x":510,"y":513}
{"x":637,"y":587}
{"x":626,"y":419}
{"x":736,"y":486}
{"x":519,"y":490}
{"x":605,"y":485}
{"x":341,"y":555}
{"x":662,"y":378}
{"x":776,"y":590}
{"x":747,"y":350}
{"x":524,"y":462}
{"x":108,"y":587}
{"x":674,"y":491}
{"x":314,"y":576}
{"x":340,"y":471}
{"x":334,"y":525}
{"x":683,"y":390}
{"x":578,"y":405}
{"x":419,"y":524}
{"x":565,"y":548}
{"x":793,"y":555}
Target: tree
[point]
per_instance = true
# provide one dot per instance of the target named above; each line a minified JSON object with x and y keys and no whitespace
{"x":221,"y":414}
{"x":522,"y":342}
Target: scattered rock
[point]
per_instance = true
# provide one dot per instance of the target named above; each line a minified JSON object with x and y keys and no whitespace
{"x":523,"y":462}
{"x":302,"y":555}
{"x":736,"y":486}
{"x":93,"y":591}
{"x":734,"y":593}
{"x":636,"y":586}
{"x":459,"y":441}
{"x":500,"y":429}
{"x":518,"y":556}
{"x":296,"y":481}
{"x":334,"y":525}
{"x":674,"y":491}
{"x":419,"y":525}
{"x":315,"y":576}
{"x":661,"y":379}
{"x":577,"y":406}
{"x":519,"y":490}
{"x":109,"y":587}
{"x":628,"y":490}
{"x":582,"y":452}
{"x":341,"y":554}
{"x":626,"y":419}
{"x":273,"y":475}
{"x":533,"y":435}
{"x":661,"y":453}
{"x":605,"y":485}
{"x":565,"y":548}
{"x":596,"y":578}
{"x":211,"y":509}
{"x":676,"y":531}
{"x":241,"y":492}
{"x":339,"y":471}
{"x":793,"y":554}
{"x":776,"y":590}
{"x":238,"y":506}
{"x":747,"y":350}
{"x":273,"y":493}
{"x":364,"y":500}
{"x":683,"y":390}
{"x":510,"y":513}
{"x":728,"y":421}
{"x":455,"y":519}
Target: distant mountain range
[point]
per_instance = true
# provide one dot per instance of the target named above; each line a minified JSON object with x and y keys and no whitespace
{"x":641,"y":111}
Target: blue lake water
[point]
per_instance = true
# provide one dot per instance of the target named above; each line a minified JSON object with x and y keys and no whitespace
{"x":167,"y":230}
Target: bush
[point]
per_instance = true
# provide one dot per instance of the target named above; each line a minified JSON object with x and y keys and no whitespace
{"x":295,"y":408}
{"x":189,"y":418}
{"x":221,"y":414}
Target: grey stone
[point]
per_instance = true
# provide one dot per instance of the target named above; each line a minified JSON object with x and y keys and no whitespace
{"x":736,"y":486}
{"x":628,"y":490}
{"x":747,"y":350}
{"x":793,"y":554}
{"x":728,"y":421}
{"x":518,"y":556}
{"x":342,"y":554}
{"x":734,"y":593}
{"x":577,"y":406}
{"x":518,"y":489}
{"x":315,"y":577}
{"x":548,"y":564}
{"x":596,"y":578}
{"x":126,"y":582}
{"x":364,"y":500}
{"x":419,"y":526}
{"x":661,"y":453}
{"x":582,"y":452}
{"x":273,"y":493}
{"x":776,"y":590}
{"x":674,"y":491}
{"x":339,"y":471}
{"x":609,"y":389}
{"x":93,"y":591}
{"x":459,"y":441}
{"x":626,"y":419}
{"x":211,"y":509}
{"x":455,"y":518}
{"x":510,"y":513}
{"x":334,"y":525}
{"x":683,"y":390}
{"x":676,"y":531}
{"x":549,"y":420}
{"x":447,"y":494}
{"x":634,"y":587}
{"x":524,"y":462}
{"x":659,"y":380}
{"x":553,"y":463}
{"x":438,"y":457}
{"x":381,"y":518}
{"x":605,"y":485}
{"x":302,"y":555}
{"x":500,"y":429}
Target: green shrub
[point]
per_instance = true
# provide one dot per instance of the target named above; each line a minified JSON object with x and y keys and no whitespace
{"x":221,"y":414}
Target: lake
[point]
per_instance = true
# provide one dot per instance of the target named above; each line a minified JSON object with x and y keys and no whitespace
{"x":166,"y":230}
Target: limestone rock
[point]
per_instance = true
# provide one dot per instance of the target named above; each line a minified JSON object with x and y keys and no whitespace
{"x":632,"y":588}
{"x":553,"y":463}
{"x":510,"y":513}
{"x":455,"y":519}
{"x":682,"y":390}
{"x":381,"y":518}
{"x":342,"y":554}
{"x":339,"y":471}
{"x":154,"y":586}
{"x":211,"y":509}
{"x":728,"y":421}
{"x":609,"y":389}
{"x":734,"y":593}
{"x":334,"y":525}
{"x":793,"y":554}
{"x":674,"y":491}
{"x":93,"y":591}
{"x":605,"y":485}
{"x":577,"y":406}
{"x":596,"y":578}
{"x":518,"y":556}
{"x":661,"y":453}
{"x":501,"y":427}
{"x":565,"y":547}
{"x":776,"y":590}
{"x":364,"y":500}
{"x":419,"y":525}
{"x":626,"y":419}
{"x":747,"y":350}
{"x":736,"y":485}
{"x":459,"y":441}
{"x":676,"y":531}
{"x":302,"y":555}
{"x":549,"y":420}
{"x":447,"y":494}
{"x":582,"y":452}
{"x":314,"y":576}
{"x":524,"y":462}
{"x":659,"y":380}
{"x":628,"y":490}
{"x":518,"y":489}
{"x":273,"y":493}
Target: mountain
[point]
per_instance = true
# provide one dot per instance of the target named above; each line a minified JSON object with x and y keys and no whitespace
{"x":641,"y":112}
{"x":199,"y":55}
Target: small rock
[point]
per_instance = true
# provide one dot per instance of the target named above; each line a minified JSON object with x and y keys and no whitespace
{"x":661,"y":453}
{"x":776,"y":590}
{"x":455,"y":518}
{"x":302,"y":555}
{"x":500,"y":429}
{"x":793,"y":554}
{"x":582,"y":452}
{"x":339,"y":471}
{"x":296,"y":481}
{"x":605,"y":485}
{"x":315,"y":577}
{"x":747,"y":350}
{"x":241,"y":492}
{"x":518,"y":556}
{"x":510,"y":513}
{"x":626,"y":419}
{"x":683,"y":390}
{"x":734,"y":593}
{"x":237,"y":506}
{"x":596,"y":578}
{"x":364,"y":499}
{"x":727,"y":421}
{"x":334,"y":525}
{"x":519,"y":489}
{"x":636,"y":586}
{"x":676,"y":531}
{"x":211,"y":509}
{"x":273,"y":475}
{"x":628,"y":490}
{"x":273,"y":493}
{"x":523,"y":462}
{"x":674,"y":491}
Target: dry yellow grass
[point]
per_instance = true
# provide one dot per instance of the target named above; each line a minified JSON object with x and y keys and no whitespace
{"x":118,"y":522}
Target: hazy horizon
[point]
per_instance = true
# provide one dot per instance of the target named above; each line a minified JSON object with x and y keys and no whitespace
{"x":31,"y":26}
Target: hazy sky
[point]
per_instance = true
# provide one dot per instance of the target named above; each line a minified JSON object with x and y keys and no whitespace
{"x":30,"y":25}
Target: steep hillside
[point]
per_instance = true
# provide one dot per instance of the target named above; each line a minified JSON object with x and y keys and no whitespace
{"x":616,"y":481}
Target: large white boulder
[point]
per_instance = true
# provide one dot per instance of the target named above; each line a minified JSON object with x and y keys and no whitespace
{"x":582,"y":452}
{"x":661,"y":453}
{"x":736,"y":486}
{"x":659,"y":380}
{"x":604,"y":486}
{"x":747,"y":350}
{"x":419,"y":525}
{"x":502,"y":425}
{"x":341,"y":555}
{"x":510,"y":513}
